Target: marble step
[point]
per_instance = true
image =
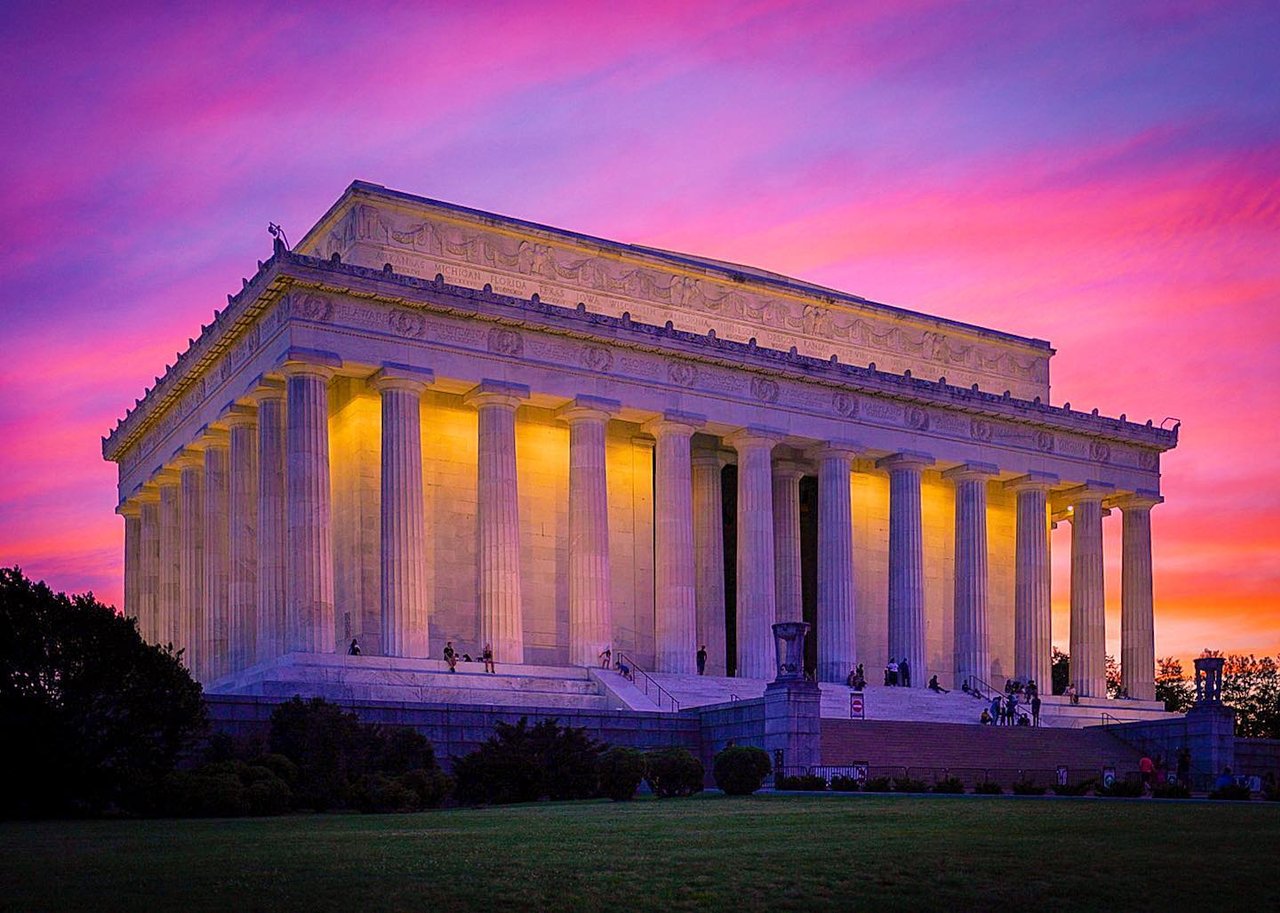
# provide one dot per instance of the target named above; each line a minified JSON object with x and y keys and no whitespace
{"x":371,"y":691}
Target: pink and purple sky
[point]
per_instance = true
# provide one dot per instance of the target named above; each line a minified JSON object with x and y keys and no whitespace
{"x":1105,"y":176}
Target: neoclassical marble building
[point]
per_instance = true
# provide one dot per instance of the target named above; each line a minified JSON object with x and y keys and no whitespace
{"x":429,"y":423}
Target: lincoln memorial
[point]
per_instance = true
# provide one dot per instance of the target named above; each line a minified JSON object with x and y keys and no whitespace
{"x":427,"y":423}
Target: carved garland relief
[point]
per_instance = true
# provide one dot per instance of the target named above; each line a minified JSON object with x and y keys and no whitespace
{"x":608,"y":276}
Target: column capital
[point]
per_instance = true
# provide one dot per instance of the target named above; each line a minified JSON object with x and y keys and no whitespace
{"x":166,"y":475}
{"x":130,"y":509}
{"x":392,"y":376}
{"x":239,"y":416}
{"x":1138,"y":500}
{"x":496,"y":393}
{"x":754,"y":436}
{"x":971,"y":472}
{"x":189,"y":457}
{"x":1089,"y":491}
{"x":588,"y":408}
{"x":906,"y":459}
{"x":673,"y":422}
{"x":709,"y":457}
{"x":847,"y":450}
{"x":1032,"y":481}
{"x":266,"y":388}
{"x":299,"y":362}
{"x":214,"y":437}
{"x":788,"y":469}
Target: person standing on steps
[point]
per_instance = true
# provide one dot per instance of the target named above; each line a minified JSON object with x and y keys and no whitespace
{"x":904,"y":673}
{"x":702,"y":660}
{"x":487,"y":656}
{"x":1035,"y":709}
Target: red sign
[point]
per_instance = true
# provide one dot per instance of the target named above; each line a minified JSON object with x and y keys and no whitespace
{"x":857,"y":709}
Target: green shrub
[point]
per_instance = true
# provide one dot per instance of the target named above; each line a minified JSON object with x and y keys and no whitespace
{"x":844,"y":784}
{"x":428,"y":785}
{"x":805,"y":782}
{"x":909,"y":785}
{"x":381,"y":793}
{"x":1075,"y":789}
{"x":279,"y":765}
{"x":674,"y":772}
{"x":521,"y":763}
{"x":621,"y":770}
{"x":269,"y":796}
{"x":1232,"y":791}
{"x":1271,"y":792}
{"x":1027,"y":788}
{"x":329,"y":746}
{"x":740,"y":771}
{"x":1171,"y":791}
{"x":989,"y":788}
{"x":1123,"y":789}
{"x":950,"y":785}
{"x":226,"y":789}
{"x":878,"y":785}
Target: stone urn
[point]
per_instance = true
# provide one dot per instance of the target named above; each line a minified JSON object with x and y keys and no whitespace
{"x":789,"y":641}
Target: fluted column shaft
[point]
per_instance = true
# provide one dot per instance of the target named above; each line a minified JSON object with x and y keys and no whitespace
{"x":786,"y":539}
{"x":590,"y":582}
{"x":837,"y":646}
{"x":1032,"y":612}
{"x":1137,"y":606}
{"x":132,"y":513}
{"x":498,"y":519}
{"x":217,"y":608}
{"x":757,"y":563}
{"x":309,"y":621}
{"x":269,"y":639}
{"x":972,"y":652}
{"x":191,"y":556}
{"x":675,"y":593}
{"x":403,"y":545}
{"x":242,"y":533}
{"x":906,"y":562}
{"x":1088,"y":600}
{"x":149,"y":567}
{"x":169,"y":561}
{"x":708,"y":557}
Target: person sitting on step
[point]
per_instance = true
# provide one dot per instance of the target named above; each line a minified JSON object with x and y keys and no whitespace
{"x":450,"y":656}
{"x":354,"y":649}
{"x":487,"y":656}
{"x":934,"y":686}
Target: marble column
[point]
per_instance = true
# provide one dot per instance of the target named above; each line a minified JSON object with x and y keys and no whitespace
{"x":191,"y":558}
{"x":837,"y":645}
{"x":1137,"y":607}
{"x":242,"y":535}
{"x":309,"y":621}
{"x":1033,"y":572}
{"x":217,"y":608}
{"x":786,"y":539}
{"x":270,"y":620}
{"x":906,"y":561}
{"x":708,"y":557}
{"x":1088,"y":596}
{"x":675,"y":593}
{"x":403,"y":543}
{"x":132,"y":512}
{"x":149,"y":565}
{"x":590,"y":583}
{"x":169,"y":560}
{"x":498,"y":518}
{"x":971,"y":650}
{"x":757,"y":593}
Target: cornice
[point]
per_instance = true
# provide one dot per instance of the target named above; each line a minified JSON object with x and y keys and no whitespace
{"x":286,"y":270}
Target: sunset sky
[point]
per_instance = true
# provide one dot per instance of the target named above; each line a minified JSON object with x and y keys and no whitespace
{"x":1102,"y":175}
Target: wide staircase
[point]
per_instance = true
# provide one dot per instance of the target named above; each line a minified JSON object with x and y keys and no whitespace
{"x":418,"y":681}
{"x":929,"y":751}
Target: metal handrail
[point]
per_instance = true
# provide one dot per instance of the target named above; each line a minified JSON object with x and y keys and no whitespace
{"x":648,"y":681}
{"x":1019,"y":708}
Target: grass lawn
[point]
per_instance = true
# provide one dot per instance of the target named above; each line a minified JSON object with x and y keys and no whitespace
{"x":889,"y":854}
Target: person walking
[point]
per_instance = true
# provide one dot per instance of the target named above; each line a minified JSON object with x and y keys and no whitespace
{"x":606,"y":657}
{"x":702,"y":660}
{"x":487,"y":656}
